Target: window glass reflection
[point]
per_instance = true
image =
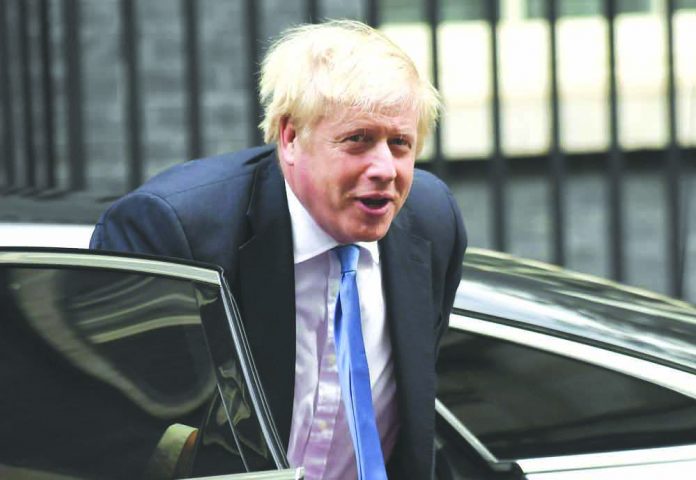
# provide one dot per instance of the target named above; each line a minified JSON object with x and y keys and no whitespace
{"x":107,"y":374}
{"x":521,"y":402}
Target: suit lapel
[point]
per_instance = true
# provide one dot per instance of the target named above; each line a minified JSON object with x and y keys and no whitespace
{"x":267,"y":288}
{"x":408,"y":293}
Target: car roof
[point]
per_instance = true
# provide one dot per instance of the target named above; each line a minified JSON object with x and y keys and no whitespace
{"x":44,"y":235}
{"x":539,"y":296}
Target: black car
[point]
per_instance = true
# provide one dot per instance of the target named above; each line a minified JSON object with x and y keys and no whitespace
{"x":123,"y":366}
{"x":559,"y":375}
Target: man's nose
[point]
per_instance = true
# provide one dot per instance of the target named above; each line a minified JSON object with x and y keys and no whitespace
{"x":382,"y":167}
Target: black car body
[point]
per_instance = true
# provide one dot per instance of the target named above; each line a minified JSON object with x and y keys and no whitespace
{"x":123,"y":366}
{"x":564,"y":375}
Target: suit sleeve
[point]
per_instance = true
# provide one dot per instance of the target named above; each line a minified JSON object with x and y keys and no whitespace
{"x":141,"y":223}
{"x":454,"y":269}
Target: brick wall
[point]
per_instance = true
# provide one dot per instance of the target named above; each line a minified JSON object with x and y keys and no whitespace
{"x":226,"y":88}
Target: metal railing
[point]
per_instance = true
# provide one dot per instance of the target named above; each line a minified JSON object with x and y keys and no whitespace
{"x":30,"y":170}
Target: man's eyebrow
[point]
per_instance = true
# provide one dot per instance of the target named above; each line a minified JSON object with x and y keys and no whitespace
{"x":407,"y":133}
{"x":368,"y":124}
{"x":351,"y":130}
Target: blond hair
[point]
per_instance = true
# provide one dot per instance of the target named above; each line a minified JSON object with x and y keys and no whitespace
{"x":312,"y":69}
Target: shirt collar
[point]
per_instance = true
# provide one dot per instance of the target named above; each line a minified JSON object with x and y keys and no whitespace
{"x":309,"y":239}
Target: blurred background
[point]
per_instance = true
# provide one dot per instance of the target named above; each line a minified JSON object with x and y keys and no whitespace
{"x":568,"y":136}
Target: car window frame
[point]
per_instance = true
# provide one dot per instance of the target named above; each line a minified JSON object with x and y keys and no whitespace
{"x":615,"y":459}
{"x":285,"y":474}
{"x":666,"y":376}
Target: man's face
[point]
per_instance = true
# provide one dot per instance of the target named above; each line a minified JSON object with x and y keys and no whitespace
{"x":353,"y":171}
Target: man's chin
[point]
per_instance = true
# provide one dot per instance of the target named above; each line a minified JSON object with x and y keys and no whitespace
{"x":370,"y":238}
{"x":360,"y":228}
{"x":372,"y":233}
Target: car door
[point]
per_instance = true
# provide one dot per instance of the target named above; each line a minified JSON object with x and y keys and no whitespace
{"x":518,"y":403}
{"x":120,"y":366}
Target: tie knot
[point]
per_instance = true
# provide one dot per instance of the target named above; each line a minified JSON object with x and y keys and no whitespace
{"x":348,"y":256}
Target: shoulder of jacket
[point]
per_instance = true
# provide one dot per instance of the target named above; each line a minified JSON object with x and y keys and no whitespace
{"x":209,"y":172}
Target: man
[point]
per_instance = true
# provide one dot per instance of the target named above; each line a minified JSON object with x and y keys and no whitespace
{"x":348,"y":112}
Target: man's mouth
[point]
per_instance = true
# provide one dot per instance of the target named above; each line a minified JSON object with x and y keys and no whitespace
{"x":374,"y":203}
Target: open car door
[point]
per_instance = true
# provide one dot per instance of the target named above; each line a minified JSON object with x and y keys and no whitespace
{"x":122,"y":366}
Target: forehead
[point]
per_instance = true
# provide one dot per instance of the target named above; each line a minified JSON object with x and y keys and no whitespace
{"x":401,"y":120}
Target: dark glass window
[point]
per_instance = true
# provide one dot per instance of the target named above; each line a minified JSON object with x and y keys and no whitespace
{"x":403,"y":11}
{"x":522,"y":403}
{"x":458,"y":10}
{"x":633,"y":6}
{"x":686,"y":4}
{"x":585,"y":8}
{"x":107,"y":374}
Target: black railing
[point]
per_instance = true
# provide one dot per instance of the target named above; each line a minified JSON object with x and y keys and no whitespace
{"x":498,"y":162}
{"x":676,"y":244}
{"x":30,"y":170}
{"x":130,"y":41}
{"x":8,"y":130}
{"x":557,"y":166}
{"x":194,"y":126}
{"x":77,"y":178}
{"x":253,"y":56}
{"x":616,"y":167}
{"x":48,"y":95}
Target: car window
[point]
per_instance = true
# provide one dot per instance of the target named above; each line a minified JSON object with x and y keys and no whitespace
{"x":521,"y":402}
{"x":108,"y":374}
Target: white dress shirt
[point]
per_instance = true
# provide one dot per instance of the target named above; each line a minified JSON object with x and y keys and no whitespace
{"x":319,"y":435}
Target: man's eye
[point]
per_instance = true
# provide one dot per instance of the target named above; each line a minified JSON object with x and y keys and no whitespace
{"x":401,"y":142}
{"x":358,"y":137}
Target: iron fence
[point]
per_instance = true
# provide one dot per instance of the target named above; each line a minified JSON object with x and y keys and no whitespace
{"x":29,"y":167}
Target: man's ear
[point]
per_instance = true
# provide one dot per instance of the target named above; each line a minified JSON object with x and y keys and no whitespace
{"x":287,"y":140}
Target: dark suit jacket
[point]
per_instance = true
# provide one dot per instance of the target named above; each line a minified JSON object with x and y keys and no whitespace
{"x":231,"y":210}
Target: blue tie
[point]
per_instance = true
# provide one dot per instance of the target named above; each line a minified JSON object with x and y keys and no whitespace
{"x":353,"y":372}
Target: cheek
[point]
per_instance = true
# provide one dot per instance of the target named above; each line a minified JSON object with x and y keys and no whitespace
{"x":404,"y":177}
{"x":321,"y":189}
{"x":339,"y":182}
{"x":310,"y":177}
